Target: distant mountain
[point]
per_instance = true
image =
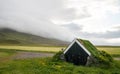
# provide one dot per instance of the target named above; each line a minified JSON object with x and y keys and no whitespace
{"x":13,"y":37}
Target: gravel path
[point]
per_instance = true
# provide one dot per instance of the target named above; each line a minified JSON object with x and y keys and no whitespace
{"x":24,"y":55}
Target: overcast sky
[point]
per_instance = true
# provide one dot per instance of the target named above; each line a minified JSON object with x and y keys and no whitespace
{"x":94,"y":20}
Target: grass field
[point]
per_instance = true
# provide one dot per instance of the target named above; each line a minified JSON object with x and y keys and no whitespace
{"x":46,"y":66}
{"x":33,"y":48}
{"x":4,"y":54}
{"x":113,"y":50}
{"x":109,"y":49}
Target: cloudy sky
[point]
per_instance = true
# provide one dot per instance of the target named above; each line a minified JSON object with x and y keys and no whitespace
{"x":95,"y":20}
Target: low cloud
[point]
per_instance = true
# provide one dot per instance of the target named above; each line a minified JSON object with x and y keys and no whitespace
{"x":73,"y":27}
{"x":108,"y":34}
{"x":107,"y":38}
{"x":63,"y":19}
{"x":34,"y":16}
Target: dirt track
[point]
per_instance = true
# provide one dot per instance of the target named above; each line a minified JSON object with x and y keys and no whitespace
{"x":24,"y":55}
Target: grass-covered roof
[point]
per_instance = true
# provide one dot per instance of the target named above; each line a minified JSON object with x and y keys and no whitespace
{"x":89,"y":46}
{"x":101,"y":56}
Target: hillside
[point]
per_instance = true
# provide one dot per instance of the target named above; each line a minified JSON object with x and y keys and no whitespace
{"x":12,"y":37}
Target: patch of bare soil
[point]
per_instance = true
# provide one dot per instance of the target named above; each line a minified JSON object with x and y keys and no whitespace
{"x":25,"y":55}
{"x":117,"y":58}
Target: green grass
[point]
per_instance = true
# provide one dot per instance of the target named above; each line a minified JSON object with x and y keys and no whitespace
{"x":46,"y":66}
{"x":3,"y":54}
{"x":33,"y":48}
{"x":113,"y":50}
{"x":6,"y":53}
{"x":109,"y":49}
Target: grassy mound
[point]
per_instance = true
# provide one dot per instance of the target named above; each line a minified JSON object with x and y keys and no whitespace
{"x":100,"y":57}
{"x":57,"y":56}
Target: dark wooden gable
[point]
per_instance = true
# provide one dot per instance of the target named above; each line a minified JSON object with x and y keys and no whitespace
{"x":76,"y":54}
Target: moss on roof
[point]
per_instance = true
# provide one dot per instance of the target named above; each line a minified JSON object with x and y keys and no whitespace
{"x":101,"y":56}
{"x":89,"y":46}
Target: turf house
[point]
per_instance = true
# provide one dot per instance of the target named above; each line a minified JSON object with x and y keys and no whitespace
{"x":83,"y":52}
